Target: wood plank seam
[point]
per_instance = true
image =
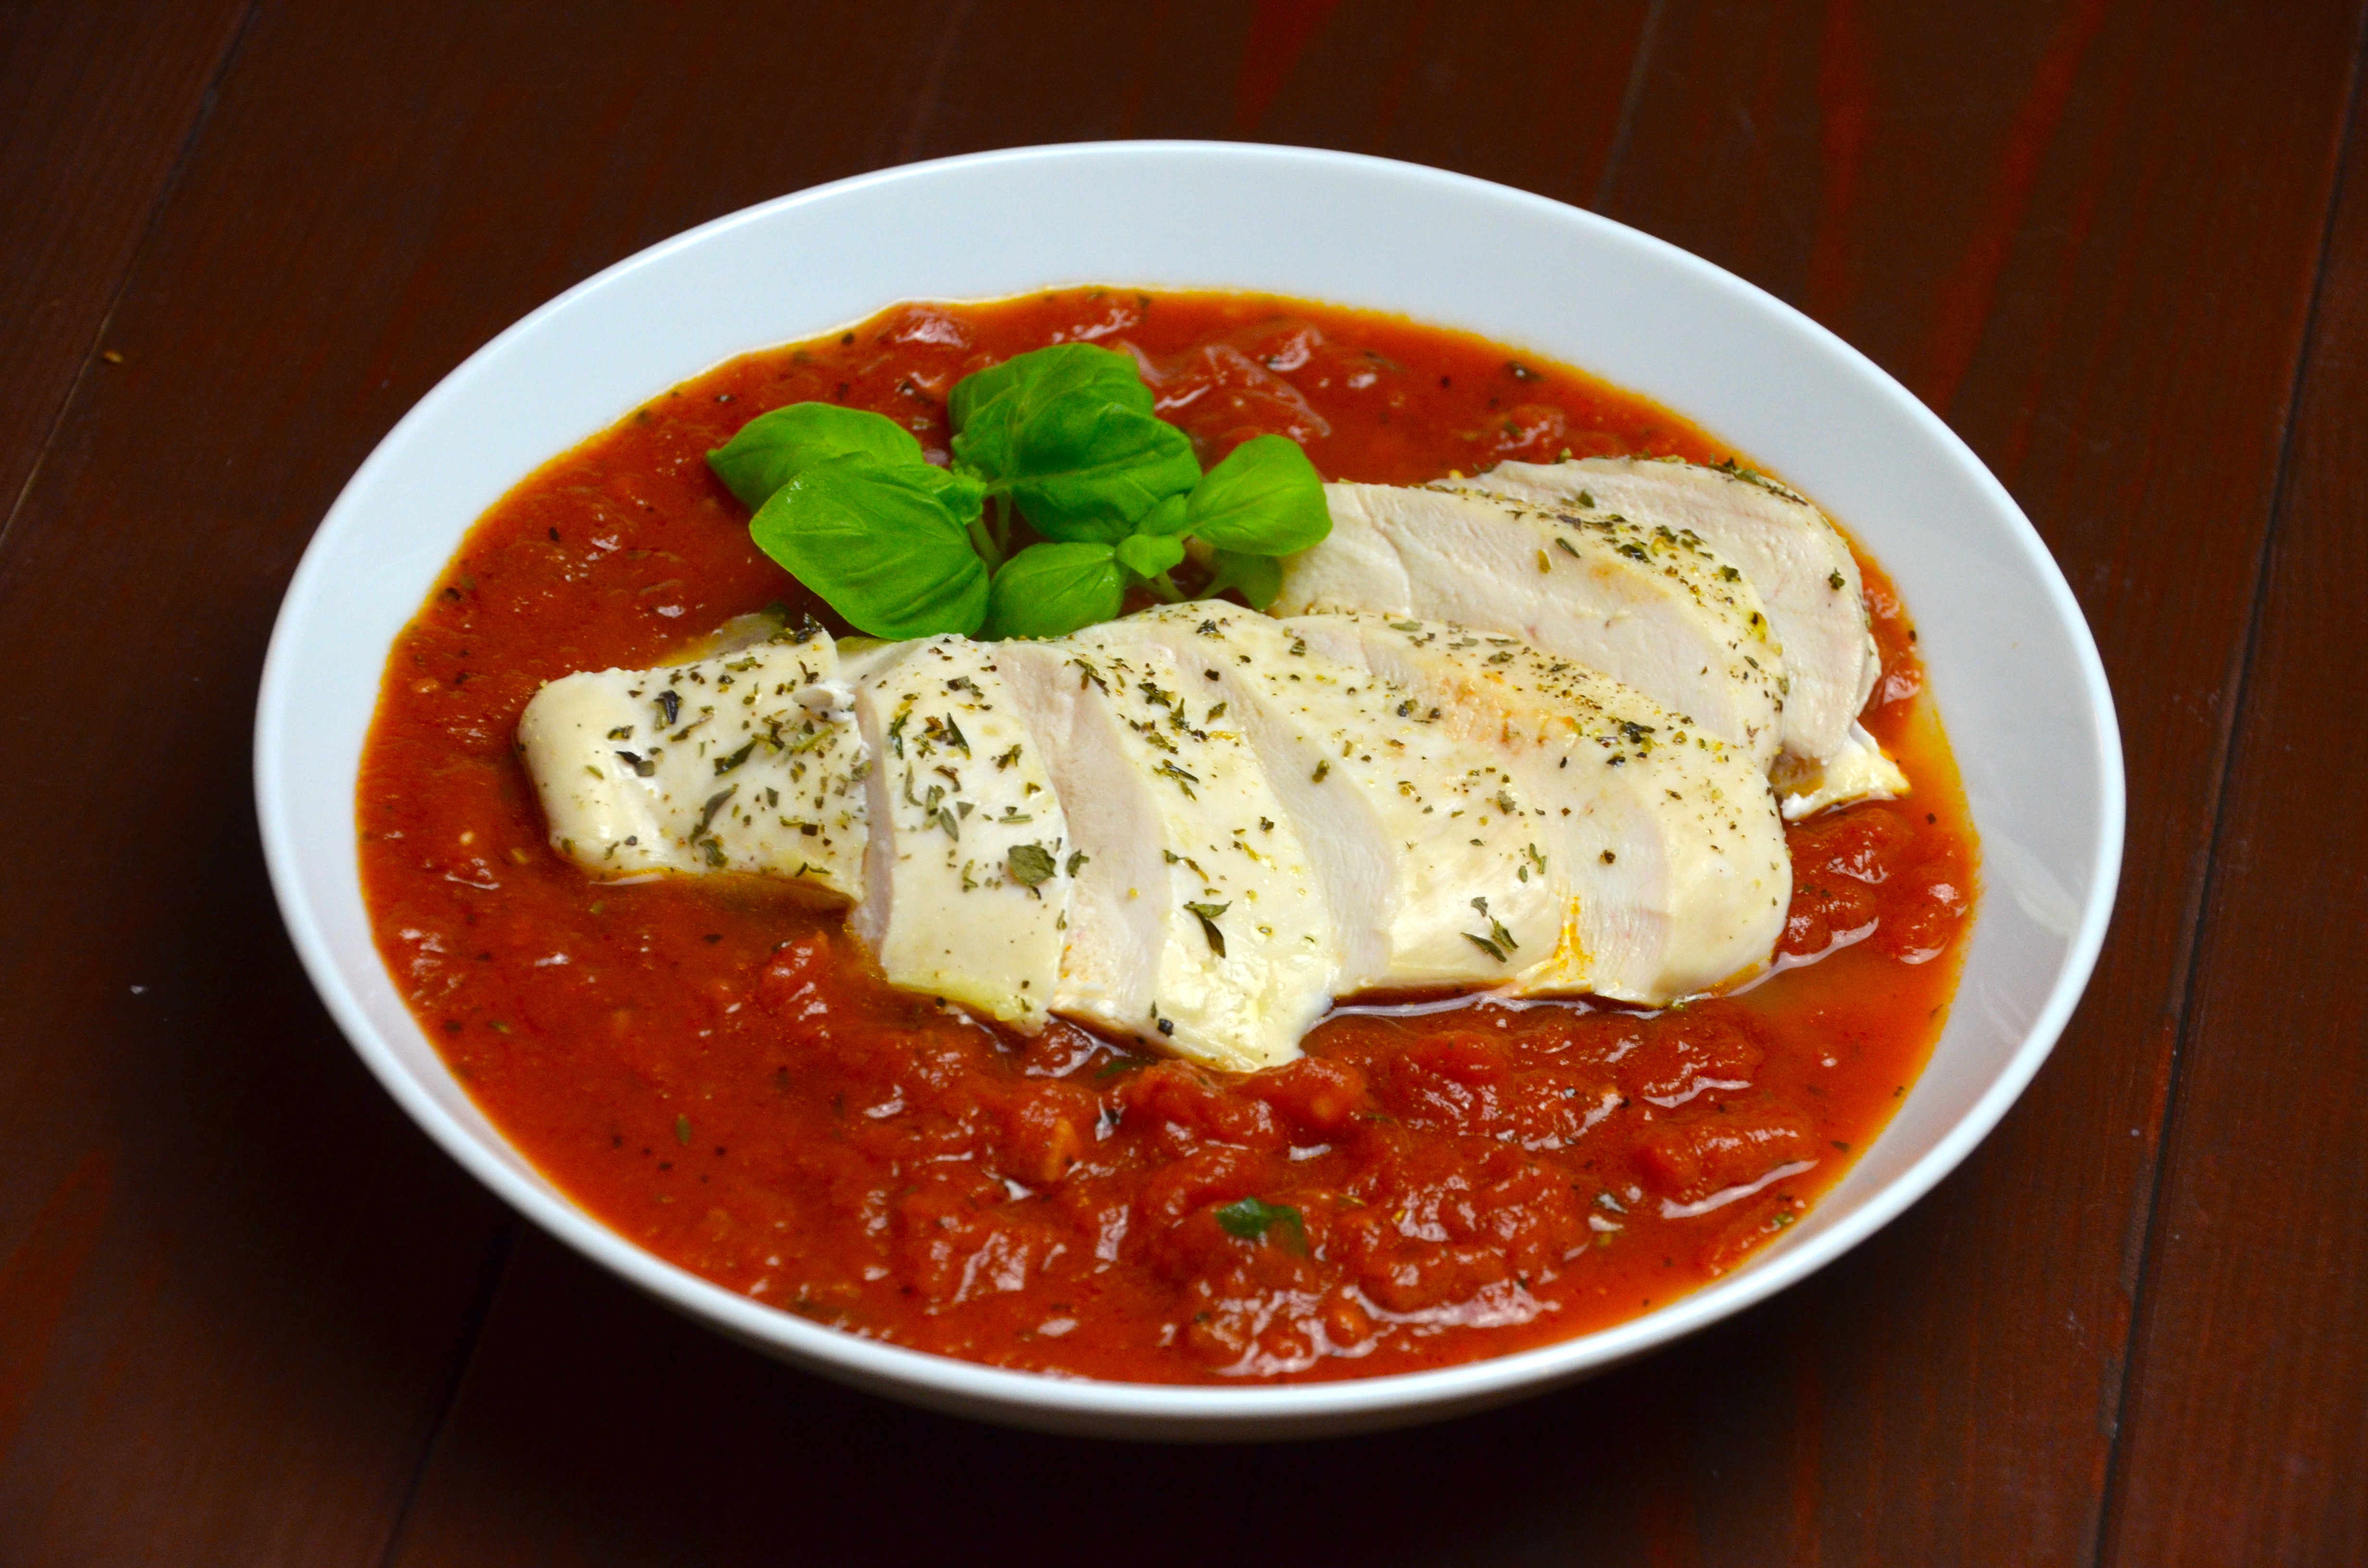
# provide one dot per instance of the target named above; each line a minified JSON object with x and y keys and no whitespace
{"x":1631,"y":100}
{"x":2110,"y":1494}
{"x":933,"y":83}
{"x":165,"y":188}
{"x":456,"y":1378}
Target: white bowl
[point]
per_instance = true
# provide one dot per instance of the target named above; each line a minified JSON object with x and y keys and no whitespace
{"x":2010,"y":660}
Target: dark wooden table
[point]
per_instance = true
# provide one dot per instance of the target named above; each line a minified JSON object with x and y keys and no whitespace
{"x":249,"y":1316}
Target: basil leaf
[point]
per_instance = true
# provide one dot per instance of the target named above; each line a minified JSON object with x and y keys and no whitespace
{"x":988,"y":405}
{"x":1259,"y":577}
{"x":879,"y":543}
{"x":964,"y":496}
{"x":1082,"y":468}
{"x":1170,"y":516}
{"x":1265,"y":497}
{"x":1252,"y":1218}
{"x":1147,"y":555}
{"x":771,"y":449}
{"x":1049,"y":590}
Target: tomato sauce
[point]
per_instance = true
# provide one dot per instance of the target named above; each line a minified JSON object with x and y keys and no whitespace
{"x":715,"y":1069}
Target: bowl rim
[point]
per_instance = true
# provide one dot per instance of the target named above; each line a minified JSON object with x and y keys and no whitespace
{"x":1160,"y":1409}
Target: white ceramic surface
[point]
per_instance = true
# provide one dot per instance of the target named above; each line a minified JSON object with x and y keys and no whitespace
{"x":2010,"y":660}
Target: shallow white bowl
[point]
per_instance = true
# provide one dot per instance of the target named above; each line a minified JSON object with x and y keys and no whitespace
{"x":2011,"y":664}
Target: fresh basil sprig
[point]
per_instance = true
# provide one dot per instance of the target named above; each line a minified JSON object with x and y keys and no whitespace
{"x":879,"y":543}
{"x":1257,"y":578}
{"x":770,"y":448}
{"x":1048,"y":590}
{"x":1066,"y":437}
{"x":1258,"y":501}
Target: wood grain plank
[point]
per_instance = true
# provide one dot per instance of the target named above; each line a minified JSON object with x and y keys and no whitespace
{"x":1391,"y":77}
{"x":234,"y":1284}
{"x":97,"y":102}
{"x":216,"y":1226}
{"x":1406,"y":81}
{"x":2247,"y":1429}
{"x":2017,"y":215}
{"x":2014,"y":210}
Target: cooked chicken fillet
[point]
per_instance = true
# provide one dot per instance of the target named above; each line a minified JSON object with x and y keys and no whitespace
{"x":1417,"y":838}
{"x":1793,"y":554}
{"x":1195,"y":826}
{"x":1195,"y":921}
{"x":1663,"y":842}
{"x":964,"y":895}
{"x":749,"y":761}
{"x":1652,"y":608}
{"x":1857,"y":771}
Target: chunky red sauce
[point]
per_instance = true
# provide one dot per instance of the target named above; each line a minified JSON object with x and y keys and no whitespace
{"x":714,"y":1069}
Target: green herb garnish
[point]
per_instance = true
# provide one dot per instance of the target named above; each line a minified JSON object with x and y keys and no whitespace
{"x":885,"y":545}
{"x":1253,"y":1219}
{"x":1030,"y":864}
{"x":1208,"y":913}
{"x":1049,"y":589}
{"x":773,"y":448}
{"x":1063,"y":440}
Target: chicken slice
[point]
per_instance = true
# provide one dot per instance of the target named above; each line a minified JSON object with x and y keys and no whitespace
{"x":1662,"y":843}
{"x":1791,"y":551}
{"x":1652,"y":608}
{"x":964,"y":895}
{"x":749,"y":761}
{"x":1857,"y":771}
{"x":1411,"y":835}
{"x":1195,"y":921}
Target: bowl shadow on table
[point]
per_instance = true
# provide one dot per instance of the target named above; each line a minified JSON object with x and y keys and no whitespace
{"x":595,"y":1426}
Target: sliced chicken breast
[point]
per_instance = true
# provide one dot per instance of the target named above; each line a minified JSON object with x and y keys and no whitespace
{"x":749,"y":761}
{"x":964,"y":891}
{"x":1195,"y":920}
{"x":1663,"y":842}
{"x":1858,"y":771}
{"x":1422,"y":853}
{"x":1791,"y":551}
{"x":1653,"y":608}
